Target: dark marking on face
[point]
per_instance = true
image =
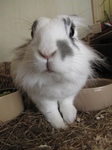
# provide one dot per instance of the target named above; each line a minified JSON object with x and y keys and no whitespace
{"x":64,"y":48}
{"x":33,"y":28}
{"x":73,"y":42}
{"x":67,"y":21}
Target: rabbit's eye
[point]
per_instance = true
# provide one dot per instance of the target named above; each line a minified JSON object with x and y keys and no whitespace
{"x":71,"y":34}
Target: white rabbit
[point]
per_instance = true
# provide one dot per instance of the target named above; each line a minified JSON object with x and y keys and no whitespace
{"x":53,"y":66}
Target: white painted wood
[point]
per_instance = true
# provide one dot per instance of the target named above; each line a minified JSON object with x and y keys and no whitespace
{"x":96,"y":5}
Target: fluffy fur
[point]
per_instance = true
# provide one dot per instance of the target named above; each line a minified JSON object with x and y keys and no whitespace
{"x":51,"y":73}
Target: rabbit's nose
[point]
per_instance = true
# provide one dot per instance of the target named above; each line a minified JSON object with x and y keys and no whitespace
{"x":47,"y":56}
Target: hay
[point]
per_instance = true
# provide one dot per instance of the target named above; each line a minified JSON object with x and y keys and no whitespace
{"x":30,"y":131}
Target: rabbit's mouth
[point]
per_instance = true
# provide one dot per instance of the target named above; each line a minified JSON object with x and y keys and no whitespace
{"x":50,"y":71}
{"x":49,"y":68}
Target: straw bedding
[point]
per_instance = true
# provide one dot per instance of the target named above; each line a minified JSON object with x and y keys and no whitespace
{"x":30,"y":131}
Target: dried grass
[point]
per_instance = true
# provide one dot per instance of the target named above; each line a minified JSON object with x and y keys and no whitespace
{"x":30,"y":131}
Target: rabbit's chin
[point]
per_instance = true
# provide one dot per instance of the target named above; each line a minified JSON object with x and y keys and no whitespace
{"x":49,"y":72}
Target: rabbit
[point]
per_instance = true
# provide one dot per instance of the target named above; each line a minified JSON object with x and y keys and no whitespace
{"x":53,"y":66}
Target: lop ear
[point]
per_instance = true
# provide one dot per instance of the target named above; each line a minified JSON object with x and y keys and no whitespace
{"x":33,"y":28}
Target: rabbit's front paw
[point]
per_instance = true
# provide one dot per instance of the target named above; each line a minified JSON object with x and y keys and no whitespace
{"x":69,"y":113}
{"x":56,"y":121}
{"x":52,"y":114}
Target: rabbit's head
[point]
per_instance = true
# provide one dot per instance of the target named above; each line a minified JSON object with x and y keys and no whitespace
{"x":55,"y":47}
{"x":54,"y":52}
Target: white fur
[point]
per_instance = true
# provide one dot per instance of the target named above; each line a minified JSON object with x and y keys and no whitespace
{"x":58,"y":88}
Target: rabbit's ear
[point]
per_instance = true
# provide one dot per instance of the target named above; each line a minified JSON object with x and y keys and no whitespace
{"x":33,"y":28}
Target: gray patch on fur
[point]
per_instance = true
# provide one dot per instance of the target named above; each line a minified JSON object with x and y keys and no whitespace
{"x":73,"y":42}
{"x":67,"y":21}
{"x":33,"y":28}
{"x":64,"y":49}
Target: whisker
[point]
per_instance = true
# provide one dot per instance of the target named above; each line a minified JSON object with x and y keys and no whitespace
{"x":82,"y":13}
{"x":24,"y":20}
